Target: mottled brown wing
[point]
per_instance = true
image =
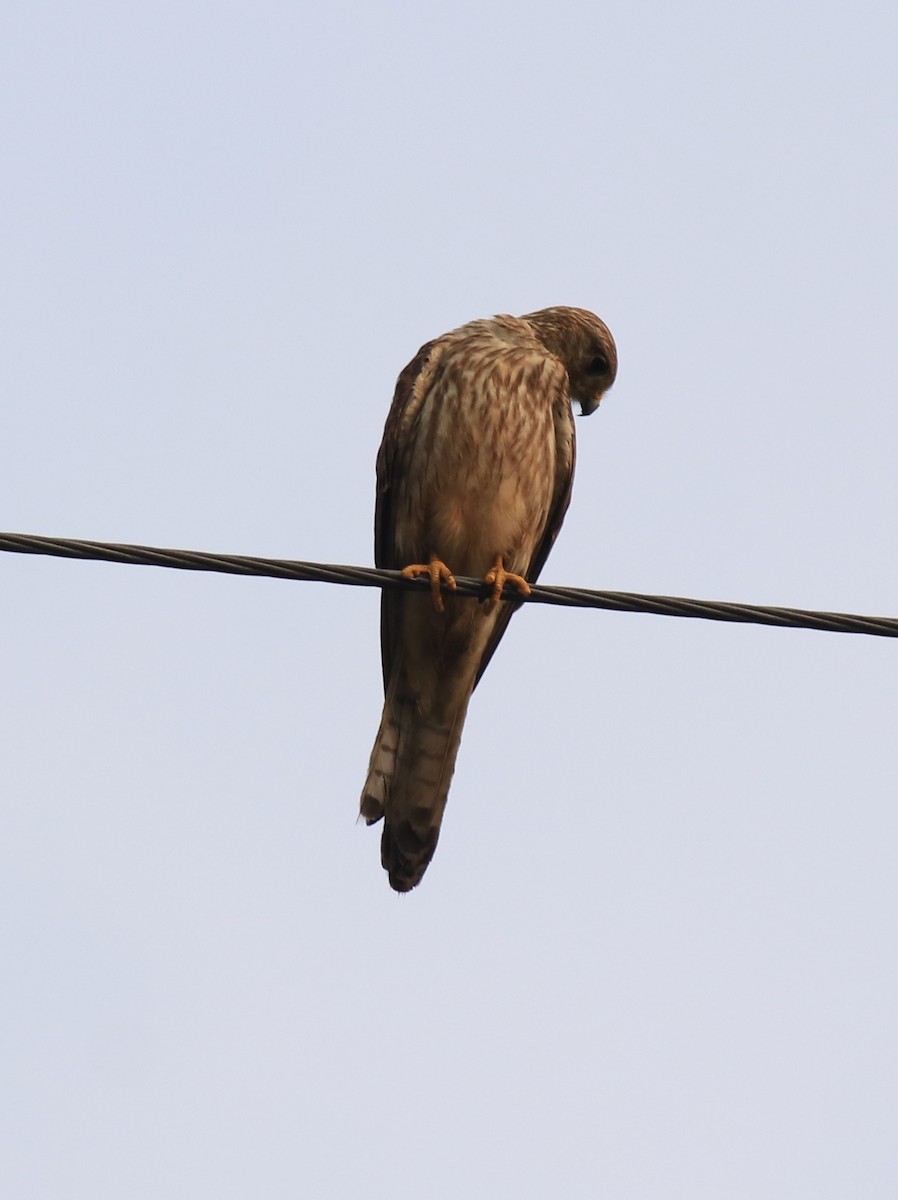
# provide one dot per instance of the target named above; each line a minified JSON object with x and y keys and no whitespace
{"x":565,"y":459}
{"x":391,"y":464}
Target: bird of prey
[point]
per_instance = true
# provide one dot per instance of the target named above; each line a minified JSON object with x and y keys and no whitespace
{"x":474,"y":477}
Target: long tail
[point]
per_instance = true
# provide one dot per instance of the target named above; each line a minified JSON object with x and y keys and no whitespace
{"x":408,"y":782}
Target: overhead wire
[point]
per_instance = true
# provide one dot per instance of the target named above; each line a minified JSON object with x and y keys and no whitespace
{"x":285,"y":568}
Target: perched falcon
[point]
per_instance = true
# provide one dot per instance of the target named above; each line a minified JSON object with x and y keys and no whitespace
{"x":474,"y":476}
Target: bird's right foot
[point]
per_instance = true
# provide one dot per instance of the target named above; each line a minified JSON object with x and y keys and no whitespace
{"x":439,"y":574}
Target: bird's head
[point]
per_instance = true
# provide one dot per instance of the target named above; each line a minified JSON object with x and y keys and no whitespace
{"x":583,"y":343}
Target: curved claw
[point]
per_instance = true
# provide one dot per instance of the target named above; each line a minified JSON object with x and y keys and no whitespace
{"x":439,"y":574}
{"x":497,"y":578}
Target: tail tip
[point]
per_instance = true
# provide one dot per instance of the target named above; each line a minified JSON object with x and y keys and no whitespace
{"x":406,"y":853}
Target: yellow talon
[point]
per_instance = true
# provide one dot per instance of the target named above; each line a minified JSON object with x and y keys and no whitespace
{"x":439,"y":574}
{"x":497,"y":578}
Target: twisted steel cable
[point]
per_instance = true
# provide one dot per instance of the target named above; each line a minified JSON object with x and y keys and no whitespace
{"x":285,"y":568}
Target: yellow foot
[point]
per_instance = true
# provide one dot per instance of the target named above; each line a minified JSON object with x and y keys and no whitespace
{"x":439,"y":573}
{"x":497,"y":579}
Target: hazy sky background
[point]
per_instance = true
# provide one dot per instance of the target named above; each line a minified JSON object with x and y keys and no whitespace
{"x":655,"y":955}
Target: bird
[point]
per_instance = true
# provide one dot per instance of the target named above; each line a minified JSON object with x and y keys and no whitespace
{"x":474,"y":477}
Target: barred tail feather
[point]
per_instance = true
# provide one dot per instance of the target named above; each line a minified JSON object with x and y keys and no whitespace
{"x":408,"y":782}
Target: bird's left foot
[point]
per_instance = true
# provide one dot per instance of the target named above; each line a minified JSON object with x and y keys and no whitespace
{"x":497,"y":578}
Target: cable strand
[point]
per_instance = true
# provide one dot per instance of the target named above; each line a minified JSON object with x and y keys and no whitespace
{"x":310,"y":572}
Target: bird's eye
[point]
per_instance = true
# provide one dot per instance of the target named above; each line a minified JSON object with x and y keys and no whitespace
{"x":597,"y":365}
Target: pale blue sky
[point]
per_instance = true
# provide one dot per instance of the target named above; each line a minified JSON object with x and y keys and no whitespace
{"x":655,"y":953}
